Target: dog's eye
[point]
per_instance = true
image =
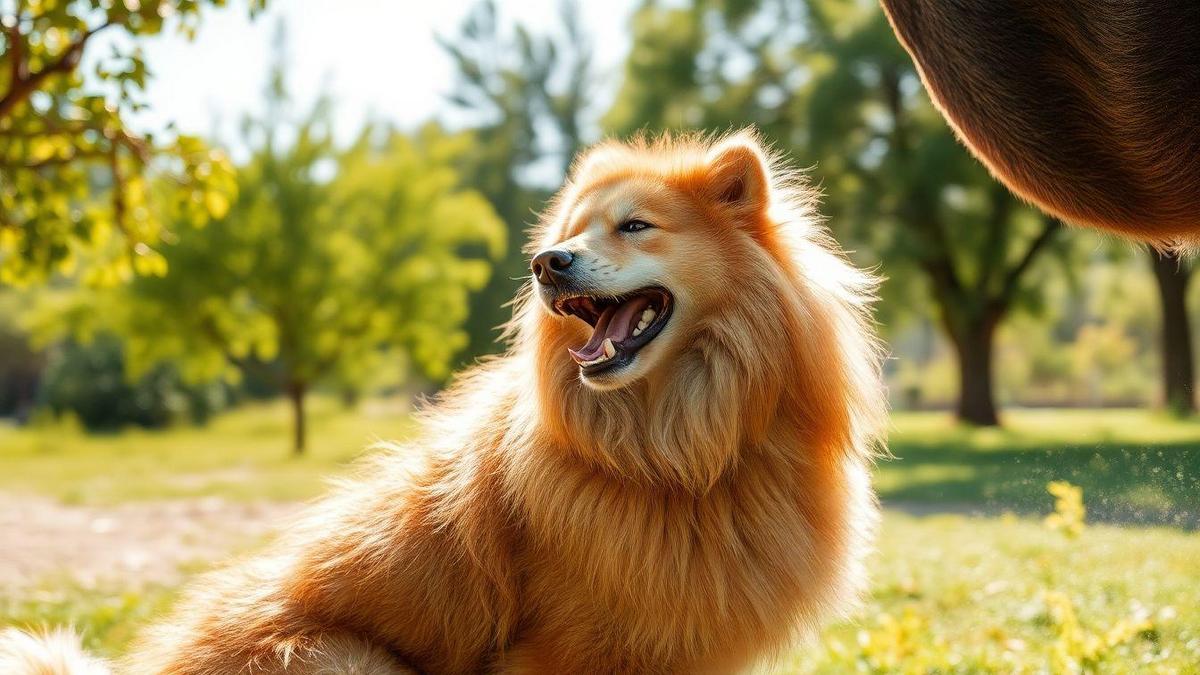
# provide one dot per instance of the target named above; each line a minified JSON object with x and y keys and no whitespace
{"x":634,"y":226}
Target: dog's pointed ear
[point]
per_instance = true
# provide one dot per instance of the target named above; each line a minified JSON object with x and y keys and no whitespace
{"x":738,"y":173}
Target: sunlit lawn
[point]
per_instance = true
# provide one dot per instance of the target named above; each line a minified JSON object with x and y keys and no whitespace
{"x":244,"y":454}
{"x":950,"y":593}
{"x":1133,"y":465}
{"x":966,"y":595}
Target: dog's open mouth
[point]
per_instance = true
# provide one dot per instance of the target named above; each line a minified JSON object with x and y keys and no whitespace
{"x":621,"y":325}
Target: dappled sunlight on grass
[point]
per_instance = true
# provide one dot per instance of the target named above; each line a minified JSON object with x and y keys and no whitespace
{"x":949,"y":594}
{"x":1053,"y":426}
{"x":1133,"y":465}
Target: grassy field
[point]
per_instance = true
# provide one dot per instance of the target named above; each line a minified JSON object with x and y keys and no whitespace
{"x":240,"y":455}
{"x":1133,"y":465}
{"x":951,"y":592}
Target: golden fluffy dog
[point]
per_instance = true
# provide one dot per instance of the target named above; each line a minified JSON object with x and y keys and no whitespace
{"x":667,"y":472}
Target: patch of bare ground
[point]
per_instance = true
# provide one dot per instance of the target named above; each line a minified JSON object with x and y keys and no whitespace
{"x":133,"y":543}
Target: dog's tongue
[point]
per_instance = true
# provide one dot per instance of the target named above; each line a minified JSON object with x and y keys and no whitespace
{"x":615,"y":322}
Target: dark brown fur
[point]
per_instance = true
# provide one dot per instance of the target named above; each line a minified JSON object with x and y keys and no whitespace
{"x":1090,"y":109}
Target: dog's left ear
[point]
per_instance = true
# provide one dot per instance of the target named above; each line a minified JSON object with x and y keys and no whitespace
{"x":737,"y":174}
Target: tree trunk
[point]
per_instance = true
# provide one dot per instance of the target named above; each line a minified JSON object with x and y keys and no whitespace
{"x":976,"y":403}
{"x":296,"y":392}
{"x":1173,"y":276}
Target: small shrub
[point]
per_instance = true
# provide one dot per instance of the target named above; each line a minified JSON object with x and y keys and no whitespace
{"x":88,"y":380}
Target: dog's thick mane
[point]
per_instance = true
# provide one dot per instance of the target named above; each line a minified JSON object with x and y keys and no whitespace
{"x":795,"y":350}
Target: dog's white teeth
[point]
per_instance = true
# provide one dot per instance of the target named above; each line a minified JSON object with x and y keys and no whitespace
{"x":642,"y":325}
{"x":638,"y":331}
{"x":648,"y":315}
{"x":610,"y":350}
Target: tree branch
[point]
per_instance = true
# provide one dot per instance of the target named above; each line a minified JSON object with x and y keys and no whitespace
{"x":118,"y":190}
{"x":209,"y":329}
{"x":16,"y":45}
{"x":118,"y":139}
{"x":917,"y":211}
{"x":20,"y":89}
{"x":1013,"y":277}
{"x":42,"y":133}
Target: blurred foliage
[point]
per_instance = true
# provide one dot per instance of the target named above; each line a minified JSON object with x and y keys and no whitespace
{"x":335,"y":279}
{"x":21,"y":364}
{"x":88,"y":381}
{"x":74,"y":178}
{"x":527,"y":96}
{"x":338,"y":266}
{"x":273,"y":292}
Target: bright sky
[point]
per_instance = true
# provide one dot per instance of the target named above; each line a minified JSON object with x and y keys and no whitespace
{"x":376,"y":57}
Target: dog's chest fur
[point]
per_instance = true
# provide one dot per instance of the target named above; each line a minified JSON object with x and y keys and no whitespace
{"x":669,"y":580}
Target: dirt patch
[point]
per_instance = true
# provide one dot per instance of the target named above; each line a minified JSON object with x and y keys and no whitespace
{"x":133,"y":543}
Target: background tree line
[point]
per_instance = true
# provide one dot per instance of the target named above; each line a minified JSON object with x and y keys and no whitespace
{"x":356,"y":268}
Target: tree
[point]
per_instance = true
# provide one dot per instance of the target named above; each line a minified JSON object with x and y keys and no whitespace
{"x":322,"y":276}
{"x":834,"y":87}
{"x":528,"y":95}
{"x":73,"y":175}
{"x":1173,"y":274}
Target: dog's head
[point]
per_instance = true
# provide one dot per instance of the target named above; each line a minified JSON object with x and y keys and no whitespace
{"x":687,"y":284}
{"x":643,"y":244}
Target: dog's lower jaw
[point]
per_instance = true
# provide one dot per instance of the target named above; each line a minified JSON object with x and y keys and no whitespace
{"x":610,"y":380}
{"x":650,"y":363}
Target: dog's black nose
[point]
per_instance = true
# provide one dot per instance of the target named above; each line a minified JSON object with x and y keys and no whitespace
{"x":548,"y":266}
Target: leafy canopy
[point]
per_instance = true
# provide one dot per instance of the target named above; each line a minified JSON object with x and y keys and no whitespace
{"x":330,"y":277}
{"x":74,"y":177}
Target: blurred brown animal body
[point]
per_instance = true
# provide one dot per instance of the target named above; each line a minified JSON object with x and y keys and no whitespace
{"x":696,"y":513}
{"x":1089,"y":109}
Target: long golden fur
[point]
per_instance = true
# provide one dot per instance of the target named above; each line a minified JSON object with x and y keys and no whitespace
{"x":696,"y":518}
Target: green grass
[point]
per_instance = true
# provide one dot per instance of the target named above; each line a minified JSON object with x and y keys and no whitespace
{"x":950,"y":593}
{"x":1133,"y":465}
{"x":243,"y":454}
{"x":963,"y":594}
{"x":107,"y":617}
{"x":967,"y":595}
